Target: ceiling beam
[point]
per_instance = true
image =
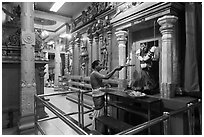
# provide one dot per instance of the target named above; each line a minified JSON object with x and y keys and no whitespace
{"x":51,"y":16}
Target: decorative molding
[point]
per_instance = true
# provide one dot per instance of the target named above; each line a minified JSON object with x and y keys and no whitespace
{"x":146,"y":11}
{"x":28,"y":38}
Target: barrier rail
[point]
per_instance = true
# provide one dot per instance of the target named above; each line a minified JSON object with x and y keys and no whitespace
{"x":78,"y":128}
{"x":166,"y":120}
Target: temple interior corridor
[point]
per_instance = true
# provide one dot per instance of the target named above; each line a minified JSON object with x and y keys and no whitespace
{"x":136,"y":65}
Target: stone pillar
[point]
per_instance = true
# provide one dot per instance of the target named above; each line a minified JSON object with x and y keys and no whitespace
{"x":66,"y":64}
{"x":168,"y":83}
{"x":78,"y":42}
{"x":57,"y":62}
{"x":109,"y":33}
{"x":73,"y":53}
{"x":100,"y":45}
{"x":121,"y":38}
{"x":28,"y":82}
{"x":91,"y":54}
{"x":97,"y":47}
{"x":46,"y":68}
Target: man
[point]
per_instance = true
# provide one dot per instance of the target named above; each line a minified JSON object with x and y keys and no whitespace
{"x":97,"y":84}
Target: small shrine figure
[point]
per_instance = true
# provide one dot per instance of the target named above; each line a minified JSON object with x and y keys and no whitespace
{"x":148,"y":80}
{"x":84,"y":17}
{"x":104,"y":55}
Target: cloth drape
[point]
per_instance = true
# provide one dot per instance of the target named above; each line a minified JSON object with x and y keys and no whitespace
{"x":191,"y":76}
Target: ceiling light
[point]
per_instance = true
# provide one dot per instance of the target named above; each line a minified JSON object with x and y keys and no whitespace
{"x":65,"y":35}
{"x":56,"y":6}
{"x":51,"y":42}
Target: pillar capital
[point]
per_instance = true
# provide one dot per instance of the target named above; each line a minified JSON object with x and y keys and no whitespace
{"x":167,"y":23}
{"x":121,"y":36}
{"x":96,"y":39}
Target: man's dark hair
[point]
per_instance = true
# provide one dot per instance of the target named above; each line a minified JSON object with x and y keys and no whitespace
{"x":95,"y":63}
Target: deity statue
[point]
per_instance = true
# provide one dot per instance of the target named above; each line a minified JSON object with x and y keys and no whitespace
{"x":149,"y":78}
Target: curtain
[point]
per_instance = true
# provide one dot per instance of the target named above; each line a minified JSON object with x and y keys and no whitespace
{"x":193,"y":63}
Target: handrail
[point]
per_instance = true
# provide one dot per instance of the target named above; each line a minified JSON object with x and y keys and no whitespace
{"x":62,"y":117}
{"x":143,"y":126}
{"x":163,"y":118}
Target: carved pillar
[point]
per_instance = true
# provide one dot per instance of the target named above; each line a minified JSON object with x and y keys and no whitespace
{"x":78,"y":42}
{"x":100,"y":45}
{"x":121,"y":38}
{"x":28,"y":82}
{"x":97,"y":46}
{"x":57,"y":62}
{"x":167,"y":29}
{"x":91,"y":54}
{"x":73,"y":53}
{"x":109,"y":33}
{"x":66,"y":64}
{"x":46,"y":68}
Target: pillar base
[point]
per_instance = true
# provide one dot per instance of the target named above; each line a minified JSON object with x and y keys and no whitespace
{"x":26,"y":125}
{"x":167,"y":90}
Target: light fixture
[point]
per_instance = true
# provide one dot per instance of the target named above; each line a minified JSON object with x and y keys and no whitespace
{"x":56,"y":6}
{"x":66,"y":35}
{"x":51,"y":42}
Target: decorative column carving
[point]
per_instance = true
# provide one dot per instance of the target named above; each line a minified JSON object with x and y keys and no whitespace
{"x":100,"y":45}
{"x":168,"y":83}
{"x":109,"y":34}
{"x":28,"y":82}
{"x":121,"y":38}
{"x":97,"y":46}
{"x":57,"y":62}
{"x":46,"y":69}
{"x":66,"y":64}
{"x":91,"y":54}
{"x":71,"y":56}
{"x":90,"y":36}
{"x":78,"y":43}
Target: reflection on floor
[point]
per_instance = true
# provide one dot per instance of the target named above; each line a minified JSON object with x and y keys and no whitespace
{"x":56,"y":126}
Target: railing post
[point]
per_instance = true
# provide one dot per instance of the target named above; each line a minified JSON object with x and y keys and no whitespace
{"x":82,"y":110}
{"x":190,"y":122}
{"x":166,"y":123}
{"x":200,"y":114}
{"x":79,"y":109}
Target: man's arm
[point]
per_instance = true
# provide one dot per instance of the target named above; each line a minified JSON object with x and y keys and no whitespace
{"x":107,"y":76}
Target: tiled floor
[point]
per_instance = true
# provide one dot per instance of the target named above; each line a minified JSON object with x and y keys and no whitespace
{"x":56,"y":126}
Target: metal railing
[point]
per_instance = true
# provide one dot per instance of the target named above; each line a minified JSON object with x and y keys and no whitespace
{"x":166,"y":120}
{"x":64,"y":117}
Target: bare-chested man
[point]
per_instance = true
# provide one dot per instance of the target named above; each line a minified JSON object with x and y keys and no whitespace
{"x":97,"y":83}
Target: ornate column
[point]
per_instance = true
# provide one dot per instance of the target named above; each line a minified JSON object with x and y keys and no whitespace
{"x":66,"y":64}
{"x":168,"y":82}
{"x":57,"y":62}
{"x":91,"y":54}
{"x":73,"y":53}
{"x":121,"y":38}
{"x":28,"y":82}
{"x":109,"y":33}
{"x":78,"y":42}
{"x":97,"y":46}
{"x":100,"y":45}
{"x":46,"y":68}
